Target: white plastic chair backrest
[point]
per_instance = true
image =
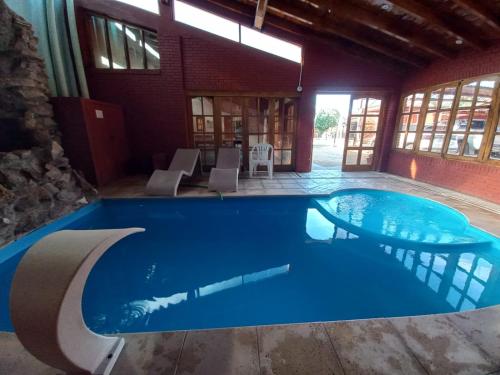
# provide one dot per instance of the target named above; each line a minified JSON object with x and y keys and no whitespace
{"x":261,"y":152}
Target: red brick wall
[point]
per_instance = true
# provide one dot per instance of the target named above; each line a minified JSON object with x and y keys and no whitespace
{"x":468,"y":177}
{"x":155,"y":104}
{"x":466,"y":65}
{"x":478,"y":179}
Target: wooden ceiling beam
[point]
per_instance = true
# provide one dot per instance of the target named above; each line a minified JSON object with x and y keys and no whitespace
{"x":428,"y":15}
{"x":478,"y":9}
{"x":260,"y":13}
{"x":333,"y":9}
{"x":248,"y":12}
{"x":332,"y":26}
{"x":383,"y":54}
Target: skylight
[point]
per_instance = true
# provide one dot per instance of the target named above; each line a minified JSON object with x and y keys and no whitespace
{"x":270,"y":44}
{"x":206,"y":21}
{"x":149,"y":5}
{"x":225,"y":28}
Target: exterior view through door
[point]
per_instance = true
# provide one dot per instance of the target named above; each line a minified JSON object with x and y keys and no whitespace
{"x":330,"y":120}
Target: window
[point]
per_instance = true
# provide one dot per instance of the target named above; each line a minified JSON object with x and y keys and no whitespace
{"x":495,"y":148}
{"x":437,"y":119}
{"x":225,"y":28}
{"x":456,"y":120}
{"x":116,"y":45}
{"x":99,"y":44}
{"x":206,"y":21}
{"x":408,"y":121}
{"x":151,"y":46}
{"x":471,"y":118}
{"x":149,"y":5}
{"x":269,"y":44}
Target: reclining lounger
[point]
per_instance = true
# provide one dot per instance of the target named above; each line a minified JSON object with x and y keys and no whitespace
{"x":224,"y":177}
{"x":166,"y":182}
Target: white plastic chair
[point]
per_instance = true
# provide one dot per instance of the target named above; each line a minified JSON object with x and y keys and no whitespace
{"x":262,"y":154}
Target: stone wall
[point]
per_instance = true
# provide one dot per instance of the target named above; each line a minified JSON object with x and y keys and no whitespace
{"x":37,"y":184}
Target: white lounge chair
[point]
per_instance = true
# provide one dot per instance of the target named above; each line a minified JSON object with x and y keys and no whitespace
{"x":224,"y":177}
{"x":261,"y":154}
{"x":166,"y":182}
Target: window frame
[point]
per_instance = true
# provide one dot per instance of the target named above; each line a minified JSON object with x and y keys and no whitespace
{"x":411,"y":113}
{"x":493,"y":130}
{"x":489,"y":132}
{"x":437,"y":110}
{"x":487,"y":126}
{"x":125,"y":24}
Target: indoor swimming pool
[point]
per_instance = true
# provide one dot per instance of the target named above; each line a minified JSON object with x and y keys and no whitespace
{"x":212,"y":263}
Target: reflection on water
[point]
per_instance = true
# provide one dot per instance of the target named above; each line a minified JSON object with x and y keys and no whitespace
{"x":241,"y":280}
{"x":318,"y":227}
{"x":140,"y":311}
{"x":464,"y":282}
{"x":459,"y":278}
{"x":398,"y":216}
{"x":211,"y":264}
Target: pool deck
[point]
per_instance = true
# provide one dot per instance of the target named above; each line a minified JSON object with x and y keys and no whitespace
{"x":458,"y":343}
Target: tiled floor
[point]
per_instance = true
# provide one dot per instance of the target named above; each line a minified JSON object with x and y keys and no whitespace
{"x":462,"y":343}
{"x":465,"y":343}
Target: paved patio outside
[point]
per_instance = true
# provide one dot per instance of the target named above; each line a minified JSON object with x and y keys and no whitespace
{"x":327,"y":154}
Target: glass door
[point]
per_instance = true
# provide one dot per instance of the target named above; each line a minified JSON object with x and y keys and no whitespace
{"x":284,"y":133}
{"x":229,"y":122}
{"x":257,"y":123}
{"x":203,"y":129}
{"x":242,"y":122}
{"x":363,"y":124}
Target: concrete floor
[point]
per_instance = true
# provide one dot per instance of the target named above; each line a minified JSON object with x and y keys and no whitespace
{"x":459,"y":343}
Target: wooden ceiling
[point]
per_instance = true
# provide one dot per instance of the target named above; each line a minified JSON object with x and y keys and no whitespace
{"x":407,"y":33}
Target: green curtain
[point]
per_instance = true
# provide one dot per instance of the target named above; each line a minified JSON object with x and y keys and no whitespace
{"x":49,"y":24}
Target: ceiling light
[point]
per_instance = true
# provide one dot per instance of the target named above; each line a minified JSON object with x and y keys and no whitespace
{"x":459,"y":42}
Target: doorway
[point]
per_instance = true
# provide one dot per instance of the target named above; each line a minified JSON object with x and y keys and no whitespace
{"x":330,"y":124}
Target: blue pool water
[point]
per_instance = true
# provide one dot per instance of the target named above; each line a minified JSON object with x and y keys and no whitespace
{"x":401,"y":218}
{"x":209,"y":263}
